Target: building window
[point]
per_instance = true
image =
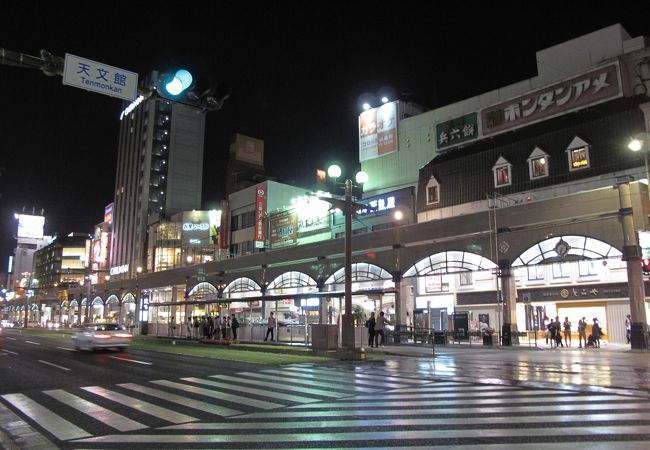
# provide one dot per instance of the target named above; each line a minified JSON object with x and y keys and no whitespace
{"x":502,"y":175}
{"x":535,"y":273}
{"x":587,"y":268}
{"x":561,"y":270}
{"x":578,"y":154}
{"x":538,"y":164}
{"x":433,"y":191}
{"x":465,"y":278}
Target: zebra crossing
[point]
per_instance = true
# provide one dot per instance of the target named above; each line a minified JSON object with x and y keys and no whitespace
{"x":309,"y":406}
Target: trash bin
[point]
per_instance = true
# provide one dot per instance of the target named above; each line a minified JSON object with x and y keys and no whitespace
{"x":440,"y":337}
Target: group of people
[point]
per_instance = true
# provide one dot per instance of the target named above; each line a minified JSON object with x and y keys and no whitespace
{"x":556,"y":330}
{"x":208,"y":327}
{"x":376,"y":327}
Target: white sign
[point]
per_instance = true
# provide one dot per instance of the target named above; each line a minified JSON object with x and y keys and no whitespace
{"x":195,"y":226}
{"x":116,"y":270}
{"x":30,"y":226}
{"x":378,"y":131}
{"x":99,"y":77}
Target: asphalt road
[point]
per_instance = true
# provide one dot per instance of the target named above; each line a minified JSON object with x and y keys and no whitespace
{"x":487,"y":398}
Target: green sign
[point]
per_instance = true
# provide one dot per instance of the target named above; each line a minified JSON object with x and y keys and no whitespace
{"x":457,"y":131}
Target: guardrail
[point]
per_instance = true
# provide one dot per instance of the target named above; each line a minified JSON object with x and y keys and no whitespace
{"x":458,"y":337}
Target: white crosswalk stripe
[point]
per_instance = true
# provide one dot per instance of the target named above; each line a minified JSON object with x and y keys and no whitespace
{"x":338,"y":407}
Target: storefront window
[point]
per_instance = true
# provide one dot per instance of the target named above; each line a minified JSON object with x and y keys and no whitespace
{"x":578,"y":158}
{"x":535,"y":273}
{"x":561,"y":270}
{"x":587,"y":268}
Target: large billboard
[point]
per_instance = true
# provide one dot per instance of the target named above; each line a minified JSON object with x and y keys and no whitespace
{"x":30,"y":226}
{"x":260,"y":215}
{"x":249,"y":150}
{"x":378,"y":131}
{"x":577,"y":92}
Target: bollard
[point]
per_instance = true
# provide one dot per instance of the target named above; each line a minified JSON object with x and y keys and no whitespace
{"x":433,"y":346}
{"x":173,"y":342}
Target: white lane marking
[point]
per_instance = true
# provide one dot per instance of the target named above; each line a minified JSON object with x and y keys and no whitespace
{"x":67,"y":348}
{"x":213,"y":393}
{"x":185,"y":401}
{"x":253,"y":391}
{"x":106,"y":416}
{"x":50,"y":421}
{"x":53,"y":365}
{"x":10,"y":338}
{"x":33,"y":343}
{"x":142,"y":406}
{"x":9,"y":351}
{"x":131,"y":360}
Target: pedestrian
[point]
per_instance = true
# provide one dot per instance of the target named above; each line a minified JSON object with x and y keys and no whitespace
{"x":566,"y":326}
{"x":628,"y":328}
{"x":380,"y":325}
{"x":270,"y":327}
{"x":226,"y":327}
{"x":234,"y":324}
{"x":212,"y":324}
{"x":204,"y":327}
{"x":189,"y":327}
{"x":197,"y":324}
{"x":370,"y":325}
{"x":551,"y":330}
{"x":547,"y":332}
{"x":582,"y":331}
{"x":595,"y":332}
{"x":558,"y":332}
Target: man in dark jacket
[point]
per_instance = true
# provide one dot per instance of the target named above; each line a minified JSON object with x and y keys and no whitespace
{"x":370,"y":324}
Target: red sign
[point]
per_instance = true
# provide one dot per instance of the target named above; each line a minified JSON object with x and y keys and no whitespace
{"x":223,"y":233}
{"x":260,"y":212}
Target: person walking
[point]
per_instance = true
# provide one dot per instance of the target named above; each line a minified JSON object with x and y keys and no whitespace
{"x":595,"y":333}
{"x":270,"y":327}
{"x":228,"y":327}
{"x":582,"y":331}
{"x":566,"y":326}
{"x":189,"y":327}
{"x":234,"y":324}
{"x":547,"y":329}
{"x":370,"y":325}
{"x":628,"y":328}
{"x":380,"y":325}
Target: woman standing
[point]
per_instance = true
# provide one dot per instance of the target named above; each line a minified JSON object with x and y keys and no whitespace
{"x":595,"y":333}
{"x":566,"y":326}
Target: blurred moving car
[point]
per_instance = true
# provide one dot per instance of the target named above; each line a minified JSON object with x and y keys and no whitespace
{"x":6,"y":324}
{"x":94,"y":336}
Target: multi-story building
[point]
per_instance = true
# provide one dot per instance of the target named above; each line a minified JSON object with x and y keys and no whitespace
{"x":159,"y":173}
{"x":29,"y":238}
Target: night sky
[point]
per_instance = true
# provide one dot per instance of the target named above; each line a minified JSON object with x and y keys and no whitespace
{"x":297,"y":72}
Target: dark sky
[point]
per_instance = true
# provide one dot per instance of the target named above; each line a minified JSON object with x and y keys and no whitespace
{"x":296,"y":72}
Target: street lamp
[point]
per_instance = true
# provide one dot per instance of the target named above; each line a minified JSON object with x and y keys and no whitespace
{"x":347,"y":206}
{"x":641,"y":143}
{"x":136,"y":319}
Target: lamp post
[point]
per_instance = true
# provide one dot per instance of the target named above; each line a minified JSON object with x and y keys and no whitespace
{"x":136,"y":313}
{"x":347,"y":206}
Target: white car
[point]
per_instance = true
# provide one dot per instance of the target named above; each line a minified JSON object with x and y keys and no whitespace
{"x":94,"y":336}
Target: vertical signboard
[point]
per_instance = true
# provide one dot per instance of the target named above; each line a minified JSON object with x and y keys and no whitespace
{"x":260,"y":212}
{"x":378,"y":131}
{"x":224,"y":232}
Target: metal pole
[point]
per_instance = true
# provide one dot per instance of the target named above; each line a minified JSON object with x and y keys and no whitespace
{"x":348,"y":324}
{"x":632,"y":257}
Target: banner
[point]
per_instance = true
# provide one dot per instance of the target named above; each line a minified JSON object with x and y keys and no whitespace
{"x":378,"y":131}
{"x":260,"y":213}
{"x":282,"y":229}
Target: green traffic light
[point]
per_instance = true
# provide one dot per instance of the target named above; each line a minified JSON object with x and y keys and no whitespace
{"x":178,"y":83}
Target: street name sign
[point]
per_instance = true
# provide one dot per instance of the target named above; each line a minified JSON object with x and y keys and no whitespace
{"x":99,"y":77}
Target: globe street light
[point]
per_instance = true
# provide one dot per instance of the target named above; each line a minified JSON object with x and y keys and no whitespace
{"x":641,"y":143}
{"x":347,"y":206}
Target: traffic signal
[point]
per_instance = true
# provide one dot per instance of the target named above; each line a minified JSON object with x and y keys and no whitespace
{"x":175,"y":85}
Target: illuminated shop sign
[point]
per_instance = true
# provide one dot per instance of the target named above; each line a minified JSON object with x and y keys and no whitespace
{"x":195,"y":241}
{"x":30,"y":226}
{"x":196,"y":226}
{"x":116,"y":270}
{"x":134,"y":104}
{"x":378,"y":205}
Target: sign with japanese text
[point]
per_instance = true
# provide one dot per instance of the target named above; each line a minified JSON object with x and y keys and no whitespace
{"x":260,"y":213}
{"x":224,"y":231}
{"x":282,"y":229}
{"x":575,"y":93}
{"x":582,"y":292}
{"x":99,"y":77}
{"x":457,"y":131}
{"x":378,"y":131}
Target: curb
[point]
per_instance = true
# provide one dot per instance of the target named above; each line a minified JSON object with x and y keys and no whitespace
{"x":16,"y":434}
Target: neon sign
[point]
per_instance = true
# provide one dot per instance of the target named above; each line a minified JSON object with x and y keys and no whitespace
{"x":196,"y":226}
